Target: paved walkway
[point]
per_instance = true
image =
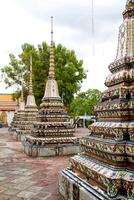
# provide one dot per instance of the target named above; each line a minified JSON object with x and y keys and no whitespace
{"x":25,"y":178}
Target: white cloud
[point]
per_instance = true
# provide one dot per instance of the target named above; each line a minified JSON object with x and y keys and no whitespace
{"x":29,"y":21}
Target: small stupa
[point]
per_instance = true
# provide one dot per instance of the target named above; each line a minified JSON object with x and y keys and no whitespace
{"x":53,"y":134}
{"x":18,"y":115}
{"x":11,"y":128}
{"x":105,"y":170}
{"x":31,"y":111}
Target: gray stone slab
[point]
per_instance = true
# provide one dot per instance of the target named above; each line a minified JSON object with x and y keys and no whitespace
{"x":51,"y":150}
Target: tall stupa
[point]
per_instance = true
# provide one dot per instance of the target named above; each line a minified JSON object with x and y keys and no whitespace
{"x":53,"y":134}
{"x":18,"y":115}
{"x":105,"y":170}
{"x":31,"y":111}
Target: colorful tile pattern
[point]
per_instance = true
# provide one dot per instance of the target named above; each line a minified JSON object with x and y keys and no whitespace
{"x":107,"y":162}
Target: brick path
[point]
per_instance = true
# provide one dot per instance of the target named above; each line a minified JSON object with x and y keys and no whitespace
{"x":24,"y":178}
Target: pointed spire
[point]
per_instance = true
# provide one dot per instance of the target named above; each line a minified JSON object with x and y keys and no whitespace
{"x":52,"y":30}
{"x":129,"y":9}
{"x":30,"y":97}
{"x":22,"y":95}
{"x":21,"y":103}
{"x":30,"y":79}
{"x":51,"y":89}
{"x":129,"y":1}
{"x":51,"y":67}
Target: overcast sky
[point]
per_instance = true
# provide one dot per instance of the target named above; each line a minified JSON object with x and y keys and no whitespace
{"x":28,"y":21}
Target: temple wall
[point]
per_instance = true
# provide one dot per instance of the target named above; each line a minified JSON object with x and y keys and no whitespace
{"x":9,"y":115}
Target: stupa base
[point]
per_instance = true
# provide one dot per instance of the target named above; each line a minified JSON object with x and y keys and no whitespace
{"x":11,"y":131}
{"x":73,"y":187}
{"x":50,"y":150}
{"x":14,"y":135}
{"x":20,"y":136}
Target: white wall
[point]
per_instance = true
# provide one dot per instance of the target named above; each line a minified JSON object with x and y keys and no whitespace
{"x":10,"y":117}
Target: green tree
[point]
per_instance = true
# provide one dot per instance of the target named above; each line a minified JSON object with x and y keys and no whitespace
{"x":84,"y":103}
{"x":69,"y":70}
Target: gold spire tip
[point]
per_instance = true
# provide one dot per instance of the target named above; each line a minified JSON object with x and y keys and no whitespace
{"x":30,"y":79}
{"x":30,"y":63}
{"x":22,"y":94}
{"x":51,"y":67}
{"x":51,"y":29}
{"x":129,"y":1}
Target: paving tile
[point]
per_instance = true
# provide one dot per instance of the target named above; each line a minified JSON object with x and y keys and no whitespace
{"x":20,"y":180}
{"x":2,"y":189}
{"x":9,"y":185}
{"x":11,"y":191}
{"x":25,"y":178}
{"x":52,"y":197}
{"x":22,"y":186}
{"x":8,"y":197}
{"x":2,"y":178}
{"x":35,"y":189}
{"x":26,"y":194}
{"x":30,"y":172}
{"x":17,"y":172}
{"x":44,"y":195}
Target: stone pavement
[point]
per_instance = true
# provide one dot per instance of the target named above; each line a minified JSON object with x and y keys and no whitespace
{"x":25,"y":178}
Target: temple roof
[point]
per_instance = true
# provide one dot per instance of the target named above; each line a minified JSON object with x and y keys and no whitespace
{"x":6,"y":97}
{"x":7,"y":103}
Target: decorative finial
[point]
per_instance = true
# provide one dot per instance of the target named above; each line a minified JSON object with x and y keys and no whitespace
{"x":129,"y":9}
{"x":52,"y":30}
{"x":22,"y":95}
{"x":51,"y":68}
{"x":129,"y":2}
{"x":30,"y":79}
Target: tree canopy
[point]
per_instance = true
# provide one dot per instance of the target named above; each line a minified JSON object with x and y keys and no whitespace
{"x":84,"y":103}
{"x":68,"y":69}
